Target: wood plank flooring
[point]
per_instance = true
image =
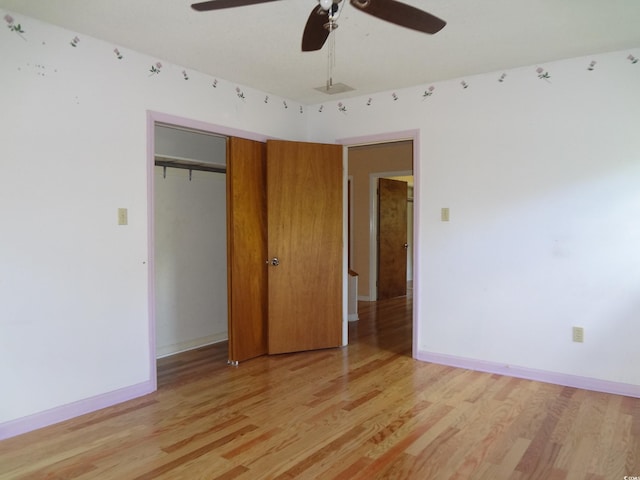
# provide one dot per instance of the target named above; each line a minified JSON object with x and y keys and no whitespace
{"x":367,"y":411}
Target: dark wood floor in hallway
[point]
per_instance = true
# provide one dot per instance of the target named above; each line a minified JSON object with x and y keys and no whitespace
{"x":366,"y":411}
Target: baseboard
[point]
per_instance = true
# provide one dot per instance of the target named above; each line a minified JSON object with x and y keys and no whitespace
{"x":75,"y":409}
{"x":353,"y":317}
{"x":567,"y":380}
{"x":364,"y":298}
{"x":166,"y":350}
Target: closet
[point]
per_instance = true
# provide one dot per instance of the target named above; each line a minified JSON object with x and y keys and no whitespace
{"x":190,"y":239}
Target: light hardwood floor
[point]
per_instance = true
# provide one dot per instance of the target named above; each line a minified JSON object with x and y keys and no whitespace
{"x":368,"y":411}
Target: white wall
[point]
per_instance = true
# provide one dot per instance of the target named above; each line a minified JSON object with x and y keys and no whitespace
{"x":541,"y":177}
{"x":74,"y":300}
{"x":190,"y":259}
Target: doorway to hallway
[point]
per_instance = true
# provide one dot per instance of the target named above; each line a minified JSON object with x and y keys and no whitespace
{"x":363,"y":227}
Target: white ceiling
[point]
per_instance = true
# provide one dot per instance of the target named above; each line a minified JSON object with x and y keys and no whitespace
{"x":259,"y":45}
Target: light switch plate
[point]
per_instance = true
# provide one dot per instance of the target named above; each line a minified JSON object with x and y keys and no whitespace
{"x":444,"y":214}
{"x":578,"y":334}
{"x":123,"y":216}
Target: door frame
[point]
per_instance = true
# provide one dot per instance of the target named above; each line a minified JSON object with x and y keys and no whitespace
{"x":389,"y":137}
{"x":373,"y":226}
{"x":154,"y":117}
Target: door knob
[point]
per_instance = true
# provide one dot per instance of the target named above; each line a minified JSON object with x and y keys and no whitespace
{"x":274,"y":262}
{"x":406,"y":245}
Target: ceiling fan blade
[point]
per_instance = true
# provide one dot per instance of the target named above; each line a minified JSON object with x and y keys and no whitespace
{"x":401,"y":14}
{"x":219,"y":4}
{"x":315,"y":33}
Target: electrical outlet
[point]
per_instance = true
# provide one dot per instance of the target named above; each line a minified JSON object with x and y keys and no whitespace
{"x":578,"y":334}
{"x":123,"y":216}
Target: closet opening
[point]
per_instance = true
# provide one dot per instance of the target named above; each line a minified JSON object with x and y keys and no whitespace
{"x":190,"y":240}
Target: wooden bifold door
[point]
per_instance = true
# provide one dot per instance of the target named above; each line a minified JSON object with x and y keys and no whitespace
{"x":285,"y":247}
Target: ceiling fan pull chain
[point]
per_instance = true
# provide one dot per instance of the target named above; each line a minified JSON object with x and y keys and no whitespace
{"x":331,"y":60}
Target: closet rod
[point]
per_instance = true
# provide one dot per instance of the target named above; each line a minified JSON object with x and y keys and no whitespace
{"x":190,"y":166}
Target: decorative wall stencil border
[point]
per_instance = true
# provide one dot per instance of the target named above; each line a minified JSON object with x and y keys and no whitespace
{"x":341,"y":106}
{"x":543,"y":74}
{"x":424,"y":93}
{"x":428,"y":92}
{"x":154,"y":69}
{"x":14,"y":27}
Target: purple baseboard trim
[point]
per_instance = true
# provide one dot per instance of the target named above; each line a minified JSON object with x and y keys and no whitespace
{"x":567,"y":380}
{"x":71,"y":410}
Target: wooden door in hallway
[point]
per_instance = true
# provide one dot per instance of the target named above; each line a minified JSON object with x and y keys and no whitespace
{"x":392,"y":238}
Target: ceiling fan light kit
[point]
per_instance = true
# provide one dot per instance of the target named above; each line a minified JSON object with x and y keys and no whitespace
{"x":326,"y":4}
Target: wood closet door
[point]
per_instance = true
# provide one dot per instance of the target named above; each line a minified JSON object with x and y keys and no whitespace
{"x":287,"y":205}
{"x":305,"y":203}
{"x":246,"y":249}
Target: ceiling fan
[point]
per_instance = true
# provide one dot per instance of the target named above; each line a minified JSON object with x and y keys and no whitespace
{"x":322,"y":19}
